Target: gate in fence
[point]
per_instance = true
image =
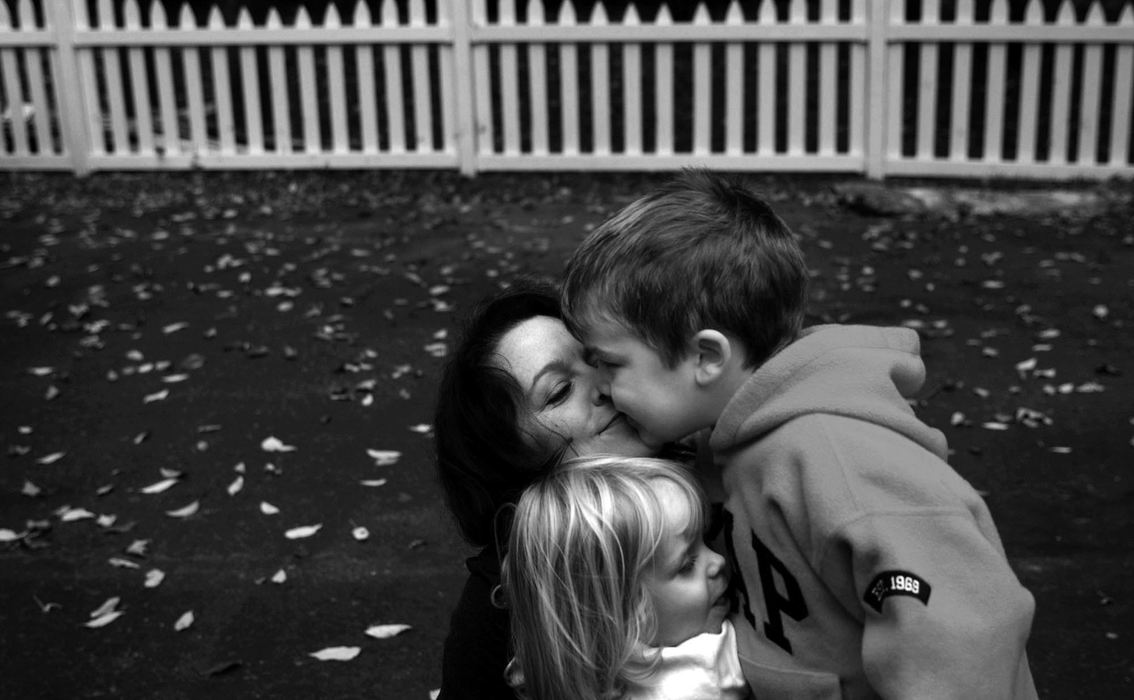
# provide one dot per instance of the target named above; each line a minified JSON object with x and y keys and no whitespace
{"x":955,"y":89}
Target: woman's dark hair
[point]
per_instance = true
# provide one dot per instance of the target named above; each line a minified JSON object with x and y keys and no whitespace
{"x":485,"y":457}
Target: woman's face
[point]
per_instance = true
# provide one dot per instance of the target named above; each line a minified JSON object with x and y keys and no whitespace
{"x":561,"y":391}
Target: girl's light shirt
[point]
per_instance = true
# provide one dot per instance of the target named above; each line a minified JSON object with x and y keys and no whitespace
{"x":705,"y":667}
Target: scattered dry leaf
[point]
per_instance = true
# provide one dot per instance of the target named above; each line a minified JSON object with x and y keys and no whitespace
{"x":337,"y":653}
{"x":296,"y":533}
{"x":386,"y":631}
{"x":185,"y":511}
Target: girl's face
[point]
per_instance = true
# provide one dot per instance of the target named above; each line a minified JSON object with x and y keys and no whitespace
{"x":687,"y":582}
{"x":562,"y":391}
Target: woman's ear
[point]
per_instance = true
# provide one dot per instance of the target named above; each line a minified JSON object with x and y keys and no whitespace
{"x":712,"y":352}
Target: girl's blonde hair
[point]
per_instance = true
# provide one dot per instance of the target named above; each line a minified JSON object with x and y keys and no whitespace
{"x":582,"y":540}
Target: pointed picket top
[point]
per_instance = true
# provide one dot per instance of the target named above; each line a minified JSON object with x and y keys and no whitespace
{"x":930,"y":12}
{"x":5,"y":18}
{"x":244,"y":19}
{"x":302,"y":19}
{"x":631,"y":17}
{"x":1095,"y":17}
{"x":964,"y":12}
{"x":828,"y":12}
{"x":1033,"y":12}
{"x":797,"y":14}
{"x":1126,"y":17}
{"x":1066,"y":13}
{"x":389,"y":11}
{"x":506,"y":13}
{"x":417,"y":13}
{"x":767,"y":14}
{"x":362,"y":16}
{"x":25,"y":10}
{"x":734,"y":15}
{"x":598,"y":15}
{"x":131,"y":15}
{"x":158,"y":18}
{"x":663,"y":17}
{"x":998,"y":14}
{"x":701,"y":15}
{"x":186,"y":20}
{"x":858,"y":11}
{"x":105,"y":14}
{"x":79,"y":12}
{"x":536,"y":13}
{"x":215,"y":19}
{"x":331,"y":20}
{"x":566,"y":14}
{"x":273,"y":21}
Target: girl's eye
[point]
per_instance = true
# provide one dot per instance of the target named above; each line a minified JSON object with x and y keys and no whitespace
{"x":687,"y":566}
{"x":559,"y":393}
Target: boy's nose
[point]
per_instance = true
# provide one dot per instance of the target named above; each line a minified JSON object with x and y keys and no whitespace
{"x":600,"y":391}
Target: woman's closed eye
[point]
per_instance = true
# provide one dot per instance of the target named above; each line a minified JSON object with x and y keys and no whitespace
{"x":558,"y":393}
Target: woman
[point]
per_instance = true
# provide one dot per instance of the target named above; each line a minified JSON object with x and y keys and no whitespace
{"x":515,"y":398}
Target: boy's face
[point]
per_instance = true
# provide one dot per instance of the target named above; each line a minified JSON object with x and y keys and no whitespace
{"x":660,"y":402}
{"x":687,"y":582}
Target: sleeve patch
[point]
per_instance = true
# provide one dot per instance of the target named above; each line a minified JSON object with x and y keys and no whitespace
{"x":890,"y":583}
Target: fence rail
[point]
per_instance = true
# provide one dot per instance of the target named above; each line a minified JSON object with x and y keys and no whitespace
{"x":816,"y":85}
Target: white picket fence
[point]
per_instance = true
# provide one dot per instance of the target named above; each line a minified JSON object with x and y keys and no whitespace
{"x":445,"y":86}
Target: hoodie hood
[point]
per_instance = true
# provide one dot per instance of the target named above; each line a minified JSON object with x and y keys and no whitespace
{"x":864,"y":372}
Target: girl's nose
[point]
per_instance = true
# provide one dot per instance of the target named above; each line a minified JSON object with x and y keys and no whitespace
{"x":716,"y":564}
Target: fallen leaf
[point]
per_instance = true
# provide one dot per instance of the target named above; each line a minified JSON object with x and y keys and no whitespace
{"x":154,"y":577}
{"x":51,"y":458}
{"x":337,"y":653}
{"x":274,"y":444}
{"x":30,"y":489}
{"x":279,"y":577}
{"x":160,"y":486}
{"x":138,"y":548}
{"x":373,"y":482}
{"x":109,"y":605}
{"x":69,"y":514}
{"x":123,"y":563}
{"x":7,"y":535}
{"x":421,"y":428}
{"x":184,"y":512}
{"x":104,"y":620}
{"x":386,"y":631}
{"x":156,"y":396}
{"x":236,"y":485}
{"x":184,"y":621}
{"x":360,"y":533}
{"x":384,"y":458}
{"x":300,"y":532}
{"x":268,"y":509}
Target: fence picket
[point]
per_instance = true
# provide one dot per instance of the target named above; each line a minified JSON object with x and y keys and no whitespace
{"x":250,"y":95}
{"x":807,"y":84}
{"x":632,"y":117}
{"x":1120,"y":109}
{"x":1029,"y":90}
{"x":277,"y":83}
{"x":702,"y":87}
{"x":828,"y":105}
{"x":1061,"y":93}
{"x":167,"y":104}
{"x":569,"y":84}
{"x":600,"y":86}
{"x":962,"y":81}
{"x":663,"y":88}
{"x":766,"y":87}
{"x":1090,"y":101}
{"x":927,"y":86}
{"x":336,"y":87}
{"x":797,"y":82}
{"x":734,"y":85}
{"x":509,"y":84}
{"x":994,"y":89}
{"x":419,"y":64}
{"x":136,"y":60}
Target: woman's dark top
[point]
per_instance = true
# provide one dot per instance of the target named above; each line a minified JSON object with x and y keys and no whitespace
{"x":477,"y":648}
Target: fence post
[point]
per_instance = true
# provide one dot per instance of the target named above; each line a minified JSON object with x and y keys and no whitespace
{"x":878,"y":16}
{"x":68,"y":87}
{"x":463,"y":77}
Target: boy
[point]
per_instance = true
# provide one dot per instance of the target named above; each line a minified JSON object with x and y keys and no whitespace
{"x":868,"y":566}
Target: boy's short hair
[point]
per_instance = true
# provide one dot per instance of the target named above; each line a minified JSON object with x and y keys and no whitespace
{"x":701,"y":251}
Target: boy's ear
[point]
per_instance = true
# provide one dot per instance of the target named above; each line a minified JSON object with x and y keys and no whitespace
{"x":712,"y":352}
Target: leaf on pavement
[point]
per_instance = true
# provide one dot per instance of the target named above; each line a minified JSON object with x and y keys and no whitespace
{"x":373,"y":482}
{"x":51,"y":458}
{"x":68,"y":514}
{"x":268,"y":509}
{"x":109,"y":605}
{"x":304,"y":531}
{"x":184,"y":621}
{"x":360,"y":533}
{"x":337,"y":653}
{"x":386,"y":631}
{"x":7,"y":535}
{"x":154,"y":577}
{"x":274,"y":444}
{"x":184,"y":512}
{"x":104,"y":620}
{"x":384,"y":458}
{"x":159,"y":486}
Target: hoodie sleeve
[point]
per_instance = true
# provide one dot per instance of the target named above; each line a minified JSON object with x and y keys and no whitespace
{"x":922,"y":566}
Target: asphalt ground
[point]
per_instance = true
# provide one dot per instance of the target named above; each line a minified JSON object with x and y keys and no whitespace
{"x":249,"y":347}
